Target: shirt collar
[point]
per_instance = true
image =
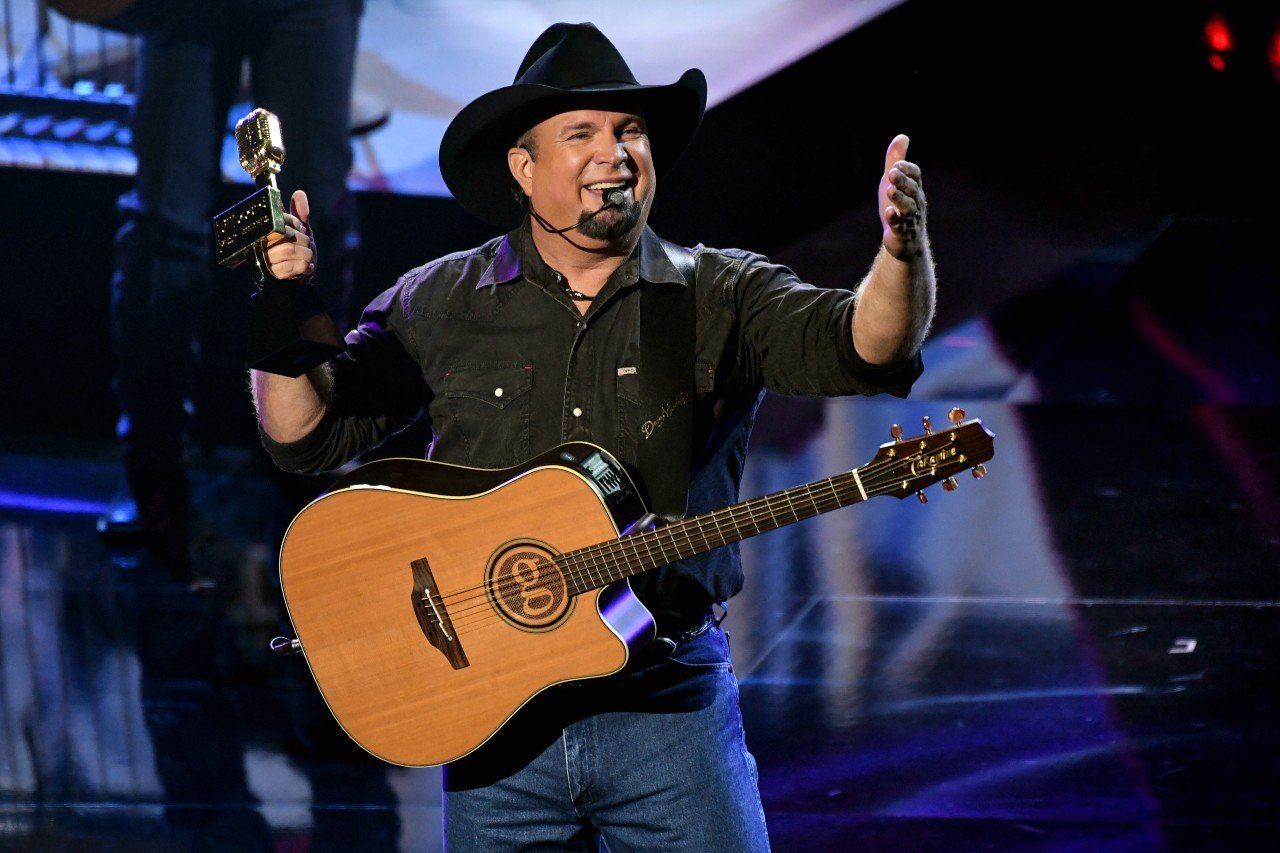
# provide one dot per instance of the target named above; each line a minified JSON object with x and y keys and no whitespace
{"x":517,"y":256}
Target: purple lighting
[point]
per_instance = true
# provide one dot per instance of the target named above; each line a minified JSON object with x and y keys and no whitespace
{"x":50,"y":503}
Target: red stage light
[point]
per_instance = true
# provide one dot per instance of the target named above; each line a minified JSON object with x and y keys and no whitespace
{"x":1273,"y":52}
{"x":1217,"y":34}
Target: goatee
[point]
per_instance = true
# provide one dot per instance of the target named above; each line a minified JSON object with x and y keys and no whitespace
{"x":611,"y":227}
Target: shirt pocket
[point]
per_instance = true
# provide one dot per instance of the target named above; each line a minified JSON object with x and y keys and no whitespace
{"x":489,"y":412}
{"x":635,"y":425}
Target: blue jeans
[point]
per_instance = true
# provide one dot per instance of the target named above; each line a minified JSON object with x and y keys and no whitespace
{"x":302,"y":56}
{"x":653,"y":760}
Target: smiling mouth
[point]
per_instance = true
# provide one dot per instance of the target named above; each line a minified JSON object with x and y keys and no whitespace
{"x":604,"y":186}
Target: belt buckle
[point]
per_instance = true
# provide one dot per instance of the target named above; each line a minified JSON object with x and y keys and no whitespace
{"x":665,"y":646}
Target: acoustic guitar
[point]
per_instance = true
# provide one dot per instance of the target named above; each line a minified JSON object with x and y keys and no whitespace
{"x":432,"y":601}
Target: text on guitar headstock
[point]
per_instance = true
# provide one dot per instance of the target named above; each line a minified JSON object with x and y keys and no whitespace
{"x":906,"y":466}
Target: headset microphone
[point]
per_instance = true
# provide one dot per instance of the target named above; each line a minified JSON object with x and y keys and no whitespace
{"x":613,"y":197}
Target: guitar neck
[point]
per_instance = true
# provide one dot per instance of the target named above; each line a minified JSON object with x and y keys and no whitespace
{"x":608,"y":562}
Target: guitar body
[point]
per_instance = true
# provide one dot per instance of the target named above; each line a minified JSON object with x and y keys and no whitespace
{"x":427,"y":604}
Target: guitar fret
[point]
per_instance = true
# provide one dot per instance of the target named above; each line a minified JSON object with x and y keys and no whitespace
{"x":692,"y":548}
{"x":735,"y":515}
{"x":653,"y":549}
{"x":584,"y":572}
{"x":599,"y":564}
{"x":592,"y":565}
{"x":662,"y":558}
{"x":643,"y":562}
{"x":723,"y":538}
{"x":835,"y":493}
{"x":658,"y":552}
{"x":812,"y":502}
{"x":647,"y":560}
{"x":610,"y":558}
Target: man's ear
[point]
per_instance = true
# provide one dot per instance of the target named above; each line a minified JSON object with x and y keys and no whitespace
{"x":520,"y":161}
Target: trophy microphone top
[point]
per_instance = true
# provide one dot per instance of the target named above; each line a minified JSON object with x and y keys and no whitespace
{"x":261,"y":146}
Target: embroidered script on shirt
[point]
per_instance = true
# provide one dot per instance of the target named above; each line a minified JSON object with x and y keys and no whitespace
{"x":651,"y":426}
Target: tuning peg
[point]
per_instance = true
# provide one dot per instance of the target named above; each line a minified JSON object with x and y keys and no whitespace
{"x":956,"y":415}
{"x":979,"y":472}
{"x":928,"y":425}
{"x":924,"y":499}
{"x":896,"y":432}
{"x":949,"y":484}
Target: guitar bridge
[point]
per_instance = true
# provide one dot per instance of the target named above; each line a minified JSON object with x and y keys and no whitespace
{"x":433,"y":616}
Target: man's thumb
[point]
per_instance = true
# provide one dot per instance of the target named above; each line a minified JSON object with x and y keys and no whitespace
{"x":897,"y":150}
{"x":299,"y":206}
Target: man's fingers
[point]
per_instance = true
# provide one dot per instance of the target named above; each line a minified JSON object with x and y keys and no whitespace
{"x":294,"y":233}
{"x":901,"y":180}
{"x":291,"y":255}
{"x":907,"y":169}
{"x":292,"y":221}
{"x":903,"y":204}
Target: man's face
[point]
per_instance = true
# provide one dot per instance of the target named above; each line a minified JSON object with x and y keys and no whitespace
{"x":577,"y":156}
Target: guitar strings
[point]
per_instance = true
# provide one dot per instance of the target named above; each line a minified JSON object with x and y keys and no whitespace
{"x":581,"y":564}
{"x":592,"y":564}
{"x":597,"y":564}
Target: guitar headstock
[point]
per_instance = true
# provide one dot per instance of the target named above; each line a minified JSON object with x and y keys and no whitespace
{"x":906,"y":466}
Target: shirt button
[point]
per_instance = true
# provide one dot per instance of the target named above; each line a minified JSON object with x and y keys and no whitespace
{"x":497,"y":392}
{"x":577,"y":413}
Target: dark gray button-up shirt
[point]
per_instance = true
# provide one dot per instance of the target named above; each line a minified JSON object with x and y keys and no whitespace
{"x":489,"y":346}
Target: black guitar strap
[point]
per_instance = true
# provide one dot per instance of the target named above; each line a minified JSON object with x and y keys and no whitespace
{"x":667,"y":394}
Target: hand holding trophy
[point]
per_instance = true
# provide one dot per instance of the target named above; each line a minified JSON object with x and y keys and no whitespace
{"x":290,"y":331}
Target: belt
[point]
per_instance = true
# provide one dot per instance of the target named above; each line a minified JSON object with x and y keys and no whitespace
{"x":668,"y":642}
{"x":670,"y":637}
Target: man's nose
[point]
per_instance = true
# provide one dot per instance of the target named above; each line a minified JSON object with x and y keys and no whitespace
{"x":614,"y":154}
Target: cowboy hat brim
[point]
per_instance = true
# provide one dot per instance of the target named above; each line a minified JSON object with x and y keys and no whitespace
{"x":472,"y":152}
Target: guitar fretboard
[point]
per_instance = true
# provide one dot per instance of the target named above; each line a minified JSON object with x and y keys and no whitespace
{"x":603,"y":564}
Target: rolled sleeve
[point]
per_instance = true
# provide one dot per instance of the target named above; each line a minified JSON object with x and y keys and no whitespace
{"x":797,"y":339}
{"x":378,"y":389}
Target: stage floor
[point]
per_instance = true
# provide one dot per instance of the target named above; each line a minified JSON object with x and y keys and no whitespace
{"x":1078,"y":651}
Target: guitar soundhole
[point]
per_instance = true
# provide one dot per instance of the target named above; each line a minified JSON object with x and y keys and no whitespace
{"x":527,"y":588}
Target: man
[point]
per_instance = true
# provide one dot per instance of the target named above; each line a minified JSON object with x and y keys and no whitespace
{"x":565,"y":330}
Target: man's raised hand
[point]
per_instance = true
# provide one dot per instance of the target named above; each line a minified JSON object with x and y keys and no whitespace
{"x":901,"y":202}
{"x":292,"y":255}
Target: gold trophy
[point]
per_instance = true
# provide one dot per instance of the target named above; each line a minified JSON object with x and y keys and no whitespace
{"x":241,"y":228}
{"x":290,"y":331}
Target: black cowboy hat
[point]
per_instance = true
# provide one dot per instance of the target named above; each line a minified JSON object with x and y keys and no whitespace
{"x":570,"y":66}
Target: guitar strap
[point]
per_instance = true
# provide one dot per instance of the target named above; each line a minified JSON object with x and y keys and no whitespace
{"x":667,"y":394}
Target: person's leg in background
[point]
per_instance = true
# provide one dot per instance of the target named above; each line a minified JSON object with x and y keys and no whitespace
{"x":163,"y":270}
{"x":303,"y":68}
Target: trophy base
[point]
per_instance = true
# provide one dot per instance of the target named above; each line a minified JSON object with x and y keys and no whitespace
{"x":242,"y":226}
{"x":290,"y":332}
